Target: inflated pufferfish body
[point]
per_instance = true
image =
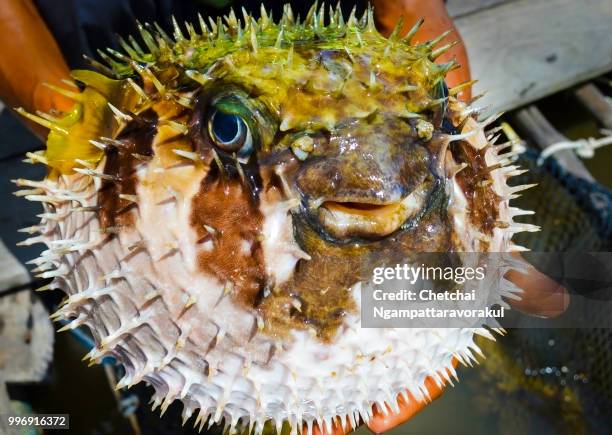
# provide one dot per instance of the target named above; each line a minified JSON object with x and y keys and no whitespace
{"x":215,"y":199}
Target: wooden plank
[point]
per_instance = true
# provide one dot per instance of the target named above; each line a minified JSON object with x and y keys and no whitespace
{"x":459,"y":8}
{"x":523,"y":50}
{"x":596,"y":102}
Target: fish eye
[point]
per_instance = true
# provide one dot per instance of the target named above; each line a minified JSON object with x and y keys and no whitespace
{"x":230,"y":133}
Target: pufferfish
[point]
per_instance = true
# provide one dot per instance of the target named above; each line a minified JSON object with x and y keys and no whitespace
{"x":215,"y":199}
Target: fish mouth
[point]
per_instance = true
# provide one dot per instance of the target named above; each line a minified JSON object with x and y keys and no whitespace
{"x":368,"y":219}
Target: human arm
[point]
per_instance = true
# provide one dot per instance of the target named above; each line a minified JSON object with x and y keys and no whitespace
{"x":29,"y":57}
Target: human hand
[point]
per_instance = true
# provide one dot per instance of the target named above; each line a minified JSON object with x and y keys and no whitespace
{"x":29,"y":60}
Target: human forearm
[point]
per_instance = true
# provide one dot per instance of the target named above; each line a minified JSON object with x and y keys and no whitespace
{"x":29,"y":57}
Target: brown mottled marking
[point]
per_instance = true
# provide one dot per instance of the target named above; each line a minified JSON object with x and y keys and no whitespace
{"x":226,"y":207}
{"x":482,"y":200}
{"x":137,"y":138}
{"x":320,"y":286}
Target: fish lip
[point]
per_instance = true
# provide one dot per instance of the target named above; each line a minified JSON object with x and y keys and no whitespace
{"x":360,"y":208}
{"x":364,"y":218}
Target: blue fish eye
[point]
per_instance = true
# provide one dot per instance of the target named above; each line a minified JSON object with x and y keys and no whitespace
{"x":226,"y":127}
{"x":229,"y":132}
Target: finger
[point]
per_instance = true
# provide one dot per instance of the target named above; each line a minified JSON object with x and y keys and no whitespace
{"x":542,"y":296}
{"x":382,"y":422}
{"x":48,"y":100}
